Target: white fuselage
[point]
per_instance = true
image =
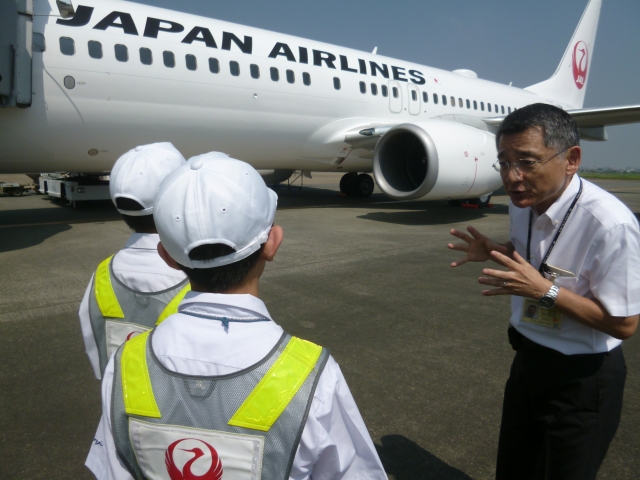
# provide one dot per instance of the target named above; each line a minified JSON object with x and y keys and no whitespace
{"x":116,"y":105}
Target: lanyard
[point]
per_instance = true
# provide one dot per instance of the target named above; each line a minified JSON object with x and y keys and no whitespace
{"x":555,"y":239}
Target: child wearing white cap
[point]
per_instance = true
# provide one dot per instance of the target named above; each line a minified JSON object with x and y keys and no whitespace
{"x":133,"y":289}
{"x":219,"y":388}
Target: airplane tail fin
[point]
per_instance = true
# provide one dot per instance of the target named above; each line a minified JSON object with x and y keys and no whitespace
{"x":569,"y":83}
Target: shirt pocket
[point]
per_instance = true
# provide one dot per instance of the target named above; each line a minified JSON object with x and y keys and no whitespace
{"x":568,"y":283}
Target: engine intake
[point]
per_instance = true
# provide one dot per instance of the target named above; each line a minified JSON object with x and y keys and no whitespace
{"x":405,"y":162}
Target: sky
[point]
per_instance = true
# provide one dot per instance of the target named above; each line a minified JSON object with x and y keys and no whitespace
{"x":501,"y":40}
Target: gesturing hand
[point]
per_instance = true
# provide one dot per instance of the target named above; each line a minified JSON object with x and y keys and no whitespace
{"x":522,"y":279}
{"x":477,"y":246}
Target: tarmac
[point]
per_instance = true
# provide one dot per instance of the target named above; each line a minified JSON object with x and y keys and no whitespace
{"x":425,"y":355}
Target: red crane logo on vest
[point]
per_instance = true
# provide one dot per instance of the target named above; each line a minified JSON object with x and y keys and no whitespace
{"x":213,"y":473}
{"x":580,"y":64}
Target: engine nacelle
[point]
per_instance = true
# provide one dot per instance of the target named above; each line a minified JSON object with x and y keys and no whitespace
{"x":436,"y":159}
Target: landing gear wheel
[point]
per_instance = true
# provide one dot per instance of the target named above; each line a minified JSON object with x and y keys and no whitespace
{"x":482,"y":202}
{"x":347,"y":182}
{"x":364,"y":185}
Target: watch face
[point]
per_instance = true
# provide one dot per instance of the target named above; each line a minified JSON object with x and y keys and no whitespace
{"x":547,"y":302}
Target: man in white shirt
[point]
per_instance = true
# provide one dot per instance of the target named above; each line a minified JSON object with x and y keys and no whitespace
{"x":573,"y":262}
{"x":137,"y":284}
{"x":226,"y":390}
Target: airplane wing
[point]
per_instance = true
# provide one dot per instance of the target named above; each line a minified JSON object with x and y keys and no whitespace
{"x":594,"y":117}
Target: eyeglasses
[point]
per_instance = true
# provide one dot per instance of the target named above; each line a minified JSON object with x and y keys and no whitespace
{"x":523,"y":165}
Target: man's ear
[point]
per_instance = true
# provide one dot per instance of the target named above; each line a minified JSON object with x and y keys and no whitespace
{"x":269,"y":250}
{"x":574,"y":158}
{"x":167,"y":258}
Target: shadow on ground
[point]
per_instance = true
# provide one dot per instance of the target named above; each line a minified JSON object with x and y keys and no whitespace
{"x":17,"y":238}
{"x":406,"y":460}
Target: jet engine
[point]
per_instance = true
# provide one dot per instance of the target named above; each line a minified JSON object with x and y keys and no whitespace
{"x":436,"y":159}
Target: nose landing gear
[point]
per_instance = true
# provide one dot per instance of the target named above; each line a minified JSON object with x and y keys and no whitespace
{"x":354,"y":185}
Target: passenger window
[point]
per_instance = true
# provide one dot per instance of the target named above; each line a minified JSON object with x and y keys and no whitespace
{"x":363,"y":87}
{"x":336,"y":83}
{"x":234,"y":67}
{"x":425,"y":97}
{"x":145,"y":56}
{"x":482,"y":106}
{"x":214,"y":65}
{"x":460,"y":104}
{"x":414,"y":95}
{"x":509,"y":109}
{"x":396,"y":94}
{"x":502,"y":108}
{"x":191,"y":62}
{"x":67,"y":46}
{"x":468,"y":104}
{"x":306,"y":79}
{"x":374,"y":89}
{"x":444,"y":100}
{"x":254,"y":70}
{"x":435,"y":98}
{"x":385,"y":90}
{"x":275,"y":75}
{"x":95,"y":49}
{"x":475,"y":105}
{"x":496,"y":109}
{"x":169,"y":59}
{"x":291,"y":77}
{"x":453,"y":101}
{"x":122,"y":53}
{"x":489,"y":106}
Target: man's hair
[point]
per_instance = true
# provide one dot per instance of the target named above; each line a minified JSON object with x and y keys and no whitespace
{"x":219,"y":279}
{"x":559,"y":130}
{"x":143,"y":222}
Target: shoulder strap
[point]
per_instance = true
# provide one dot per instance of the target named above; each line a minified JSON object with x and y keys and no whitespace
{"x":172,"y":306}
{"x":103,"y":290}
{"x":136,"y":384}
{"x":276,"y":389}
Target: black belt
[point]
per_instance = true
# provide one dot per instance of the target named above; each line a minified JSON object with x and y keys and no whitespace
{"x":521,"y":343}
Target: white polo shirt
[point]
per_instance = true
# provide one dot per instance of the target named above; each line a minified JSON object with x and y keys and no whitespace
{"x":139,"y":267}
{"x":335,"y":442}
{"x":600,"y":243}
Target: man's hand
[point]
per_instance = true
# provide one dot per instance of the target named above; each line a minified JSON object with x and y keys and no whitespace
{"x":522,"y":279}
{"x":477,"y":247}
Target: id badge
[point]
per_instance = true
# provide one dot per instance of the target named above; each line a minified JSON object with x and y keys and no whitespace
{"x":532,"y":312}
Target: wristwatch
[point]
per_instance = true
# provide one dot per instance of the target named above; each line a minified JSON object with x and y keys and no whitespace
{"x":548,"y":300}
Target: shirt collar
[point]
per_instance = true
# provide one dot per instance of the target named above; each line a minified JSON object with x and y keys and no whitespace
{"x":557,"y":211}
{"x":236,"y":306}
{"x":146,"y":241}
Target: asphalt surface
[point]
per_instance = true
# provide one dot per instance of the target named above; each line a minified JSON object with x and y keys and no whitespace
{"x":425,"y":355}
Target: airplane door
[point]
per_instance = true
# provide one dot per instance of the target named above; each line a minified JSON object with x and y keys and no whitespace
{"x":395,"y":97}
{"x":414,"y":99}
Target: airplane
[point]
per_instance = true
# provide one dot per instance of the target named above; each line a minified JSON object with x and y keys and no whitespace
{"x":84,"y":83}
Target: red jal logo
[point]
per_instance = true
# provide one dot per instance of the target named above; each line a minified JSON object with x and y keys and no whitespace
{"x":214,"y":472}
{"x":580,"y":64}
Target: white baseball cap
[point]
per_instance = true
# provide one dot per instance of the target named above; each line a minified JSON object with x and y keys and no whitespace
{"x":214,"y":199}
{"x":137,"y":174}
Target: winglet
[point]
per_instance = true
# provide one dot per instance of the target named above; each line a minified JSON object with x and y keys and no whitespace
{"x":569,"y":83}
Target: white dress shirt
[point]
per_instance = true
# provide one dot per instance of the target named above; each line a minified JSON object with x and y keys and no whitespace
{"x":335,"y":443}
{"x":140,"y":268}
{"x":600,"y":244}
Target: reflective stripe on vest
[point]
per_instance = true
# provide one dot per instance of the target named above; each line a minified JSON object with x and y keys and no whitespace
{"x":105,"y":296}
{"x":172,"y":307}
{"x":136,"y":385}
{"x":260,"y":409}
{"x":280,"y":384}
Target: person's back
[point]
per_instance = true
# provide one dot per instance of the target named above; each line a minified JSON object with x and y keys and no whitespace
{"x":224,"y":388}
{"x":133,"y":289}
